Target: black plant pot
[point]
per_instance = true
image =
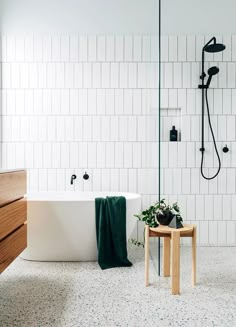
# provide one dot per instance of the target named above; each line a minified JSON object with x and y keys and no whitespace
{"x":164,"y":219}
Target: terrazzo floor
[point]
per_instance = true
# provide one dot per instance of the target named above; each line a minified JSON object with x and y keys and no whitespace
{"x":36,"y":294}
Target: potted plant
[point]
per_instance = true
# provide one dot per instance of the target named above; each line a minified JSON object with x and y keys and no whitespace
{"x":159,"y":213}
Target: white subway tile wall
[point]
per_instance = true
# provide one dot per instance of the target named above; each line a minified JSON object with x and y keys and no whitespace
{"x":90,"y":103}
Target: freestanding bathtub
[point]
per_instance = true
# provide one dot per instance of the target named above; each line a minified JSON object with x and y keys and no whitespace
{"x":61,"y":225}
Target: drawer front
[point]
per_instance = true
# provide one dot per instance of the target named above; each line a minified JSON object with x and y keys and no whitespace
{"x":12,"y":186}
{"x":12,"y":246}
{"x":12,"y":216}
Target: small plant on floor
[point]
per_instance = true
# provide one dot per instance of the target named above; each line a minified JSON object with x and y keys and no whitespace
{"x":159,"y":213}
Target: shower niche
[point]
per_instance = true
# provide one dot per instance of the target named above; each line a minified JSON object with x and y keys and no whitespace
{"x":171,"y":117}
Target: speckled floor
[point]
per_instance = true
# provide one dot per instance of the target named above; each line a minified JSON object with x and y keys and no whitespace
{"x":80,"y":294}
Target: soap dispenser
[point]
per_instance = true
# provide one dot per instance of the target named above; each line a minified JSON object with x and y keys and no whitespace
{"x":173,"y":134}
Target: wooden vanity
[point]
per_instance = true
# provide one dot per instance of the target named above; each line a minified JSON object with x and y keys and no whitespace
{"x":13,"y":216}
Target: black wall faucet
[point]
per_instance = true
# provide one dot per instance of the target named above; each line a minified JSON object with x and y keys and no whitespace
{"x":72,"y":179}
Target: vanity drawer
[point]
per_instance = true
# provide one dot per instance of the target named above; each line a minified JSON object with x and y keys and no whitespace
{"x":12,"y":186}
{"x":12,"y":216}
{"x":12,"y":246}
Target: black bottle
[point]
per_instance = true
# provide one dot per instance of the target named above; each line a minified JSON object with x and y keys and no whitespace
{"x":173,"y":134}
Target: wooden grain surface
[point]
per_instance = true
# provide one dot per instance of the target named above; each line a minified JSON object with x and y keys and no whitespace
{"x":12,"y":246}
{"x":12,"y":186}
{"x":12,"y":216}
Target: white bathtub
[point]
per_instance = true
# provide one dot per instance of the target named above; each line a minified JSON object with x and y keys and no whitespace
{"x":61,"y":225}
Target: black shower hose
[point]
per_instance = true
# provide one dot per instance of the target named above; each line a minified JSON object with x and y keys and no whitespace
{"x":214,"y":141}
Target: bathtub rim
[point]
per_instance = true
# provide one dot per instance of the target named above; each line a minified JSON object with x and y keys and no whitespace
{"x":74,"y":196}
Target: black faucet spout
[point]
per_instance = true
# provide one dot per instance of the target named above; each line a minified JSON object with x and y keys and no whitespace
{"x":73,"y":177}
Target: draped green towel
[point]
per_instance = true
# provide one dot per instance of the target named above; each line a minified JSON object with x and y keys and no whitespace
{"x":111,"y":232}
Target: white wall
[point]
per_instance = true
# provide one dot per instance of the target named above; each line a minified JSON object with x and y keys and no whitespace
{"x":198,"y":17}
{"x":80,"y":16}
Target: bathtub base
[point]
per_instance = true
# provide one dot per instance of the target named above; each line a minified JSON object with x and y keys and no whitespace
{"x":64,"y":230}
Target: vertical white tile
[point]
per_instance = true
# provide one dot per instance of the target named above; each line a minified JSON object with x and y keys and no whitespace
{"x":42,"y":75}
{"x":230,"y":128}
{"x":96,"y":75}
{"x":114,"y":122}
{"x":101,"y":102}
{"x":165,"y":49}
{"x":128,"y":48}
{"x":231,"y":75}
{"x":119,"y":155}
{"x":177,"y":75}
{"x":222,"y":232}
{"x":60,"y":75}
{"x":83,"y":155}
{"x":191,"y":44}
{"x":65,"y":102}
{"x":128,"y":102}
{"x":132,"y":75}
{"x":119,"y":48}
{"x":105,"y":75}
{"x":29,"y":49}
{"x":123,"y":75}
{"x":74,"y":48}
{"x":51,"y":75}
{"x":47,"y":48}
{"x":83,"y":102}
{"x":114,"y":76}
{"x":92,"y":102}
{"x":168,"y":75}
{"x":105,"y":128}
{"x":200,"y":213}
{"x":110,"y":154}
{"x":101,"y":155}
{"x":203,"y":232}
{"x":230,"y":232}
{"x":101,"y":48}
{"x":142,"y":75}
{"x":195,"y":181}
{"x":173,"y":48}
{"x":92,"y":48}
{"x":110,"y":48}
{"x":69,"y":75}
{"x":83,"y":48}
{"x":38,"y":48}
{"x":154,"y":48}
{"x":110,"y":102}
{"x":78,"y":75}
{"x":92,"y":155}
{"x":87,"y":75}
{"x":137,"y":48}
{"x":182,"y":48}
{"x":186,"y":75}
{"x":56,"y":48}
{"x":146,"y":48}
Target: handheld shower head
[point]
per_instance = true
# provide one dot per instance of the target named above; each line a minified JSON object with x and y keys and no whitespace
{"x":211,"y":72}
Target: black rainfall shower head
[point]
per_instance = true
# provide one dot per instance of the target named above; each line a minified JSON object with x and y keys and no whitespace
{"x":211,"y":72}
{"x":215,"y":47}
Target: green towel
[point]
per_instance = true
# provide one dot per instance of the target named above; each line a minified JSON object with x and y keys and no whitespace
{"x":111,"y":232}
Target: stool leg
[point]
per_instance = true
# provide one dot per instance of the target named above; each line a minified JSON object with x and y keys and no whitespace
{"x":146,"y":255}
{"x":194,"y":254}
{"x":175,"y":262}
{"x":166,"y":257}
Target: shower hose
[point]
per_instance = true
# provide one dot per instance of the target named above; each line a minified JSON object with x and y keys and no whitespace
{"x":214,"y":141}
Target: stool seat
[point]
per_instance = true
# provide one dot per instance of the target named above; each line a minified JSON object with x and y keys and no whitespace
{"x":162,"y":229}
{"x":171,"y":249}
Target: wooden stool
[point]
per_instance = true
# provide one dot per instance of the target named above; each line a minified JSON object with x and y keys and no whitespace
{"x":173,"y":235}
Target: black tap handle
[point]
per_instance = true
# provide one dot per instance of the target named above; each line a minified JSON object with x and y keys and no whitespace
{"x":86,"y":176}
